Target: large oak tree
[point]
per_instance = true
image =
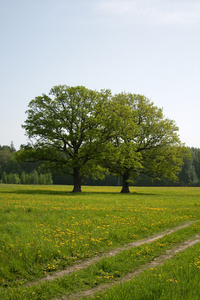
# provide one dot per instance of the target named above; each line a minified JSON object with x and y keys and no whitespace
{"x":145,"y":143}
{"x":68,"y":129}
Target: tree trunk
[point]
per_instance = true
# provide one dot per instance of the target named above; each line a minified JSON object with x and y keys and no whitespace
{"x":77,"y":181}
{"x":125,"y":186}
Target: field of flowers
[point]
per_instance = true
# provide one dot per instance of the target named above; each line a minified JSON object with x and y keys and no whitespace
{"x":44,"y":229}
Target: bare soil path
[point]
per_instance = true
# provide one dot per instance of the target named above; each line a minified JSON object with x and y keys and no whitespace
{"x":88,"y":262}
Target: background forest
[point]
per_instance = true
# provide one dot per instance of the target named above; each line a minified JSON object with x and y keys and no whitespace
{"x":14,"y":172}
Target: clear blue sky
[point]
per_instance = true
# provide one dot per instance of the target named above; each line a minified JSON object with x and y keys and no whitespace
{"x":150,"y":47}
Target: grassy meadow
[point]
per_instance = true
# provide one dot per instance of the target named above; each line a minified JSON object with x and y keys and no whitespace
{"x":44,"y":229}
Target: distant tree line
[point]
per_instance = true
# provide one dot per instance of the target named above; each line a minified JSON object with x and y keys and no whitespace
{"x":15,"y":172}
{"x":26,"y":178}
{"x":12,"y":172}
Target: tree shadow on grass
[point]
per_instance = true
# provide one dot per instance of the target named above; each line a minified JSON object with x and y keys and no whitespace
{"x":70,"y":193}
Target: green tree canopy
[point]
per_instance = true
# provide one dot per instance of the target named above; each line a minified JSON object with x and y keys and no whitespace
{"x":82,"y":132}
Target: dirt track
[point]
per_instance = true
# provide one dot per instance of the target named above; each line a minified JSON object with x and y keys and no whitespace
{"x":81,"y":265}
